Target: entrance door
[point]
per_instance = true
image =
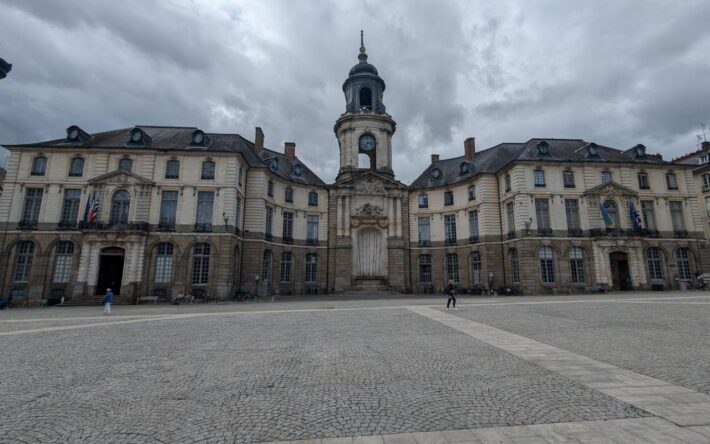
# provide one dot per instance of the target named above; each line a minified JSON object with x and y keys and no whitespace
{"x":620,"y":270}
{"x":110,"y":270}
{"x":370,"y":252}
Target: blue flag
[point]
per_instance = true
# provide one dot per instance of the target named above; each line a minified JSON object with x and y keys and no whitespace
{"x":608,"y":221}
{"x":635,"y":218}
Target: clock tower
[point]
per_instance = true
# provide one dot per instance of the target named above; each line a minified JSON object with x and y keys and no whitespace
{"x":365,"y":130}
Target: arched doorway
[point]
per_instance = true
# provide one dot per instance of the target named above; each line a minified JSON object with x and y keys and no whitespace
{"x":110,"y":270}
{"x":370,"y":254}
{"x":619,"y":264}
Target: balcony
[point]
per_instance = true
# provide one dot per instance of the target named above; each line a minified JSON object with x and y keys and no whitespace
{"x":127,"y":226}
{"x":645,"y":232}
{"x":288,"y":239}
{"x":269,"y":237}
{"x":312,"y":241}
{"x":575,"y":232}
{"x":202,"y":228}
{"x":67,"y":225}
{"x":450,"y":241}
{"x":511,"y":235}
{"x":27,"y":225}
{"x":680,"y":234}
{"x":612,"y":232}
{"x":473,"y":239}
{"x":544,"y":232}
{"x":424,"y":243}
{"x":166,"y":225}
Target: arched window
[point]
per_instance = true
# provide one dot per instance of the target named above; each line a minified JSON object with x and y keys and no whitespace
{"x":23,"y":261}
{"x":120,"y":205}
{"x":576,"y":265}
{"x":39,"y":166}
{"x":200,"y":263}
{"x":63,"y":262}
{"x":125,"y":165}
{"x":172,"y":169}
{"x":311,"y":268}
{"x":164,"y":262}
{"x":266,"y":266}
{"x":547,"y":264}
{"x":207,"y":170}
{"x":476,"y":267}
{"x":76,"y":167}
{"x":653,"y":259}
{"x":452,"y":267}
{"x":683,"y":257}
{"x":514,"y":265}
{"x":286,"y":259}
{"x":365,"y":98}
{"x":613,"y":212}
{"x":425,"y":269}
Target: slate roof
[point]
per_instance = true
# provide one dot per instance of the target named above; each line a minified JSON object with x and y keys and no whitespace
{"x":494,"y":159}
{"x":171,"y":138}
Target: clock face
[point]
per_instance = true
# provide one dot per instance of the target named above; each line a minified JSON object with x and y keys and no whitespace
{"x":367,"y":142}
{"x":73,"y":134}
{"x":136,"y":136}
{"x":198,"y":138}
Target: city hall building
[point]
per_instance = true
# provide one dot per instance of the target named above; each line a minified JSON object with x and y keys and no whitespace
{"x":169,"y":211}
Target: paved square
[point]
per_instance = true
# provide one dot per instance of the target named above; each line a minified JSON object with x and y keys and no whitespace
{"x":324,"y":369}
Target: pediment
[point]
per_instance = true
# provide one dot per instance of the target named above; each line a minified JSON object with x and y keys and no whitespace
{"x":120,"y":177}
{"x":610,"y":189}
{"x":372,"y":183}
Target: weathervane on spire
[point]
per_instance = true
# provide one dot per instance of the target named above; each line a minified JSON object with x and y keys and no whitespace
{"x":363,"y":55}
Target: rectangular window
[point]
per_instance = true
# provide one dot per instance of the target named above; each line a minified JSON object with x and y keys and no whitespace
{"x":200,"y":269}
{"x":677,"y":215}
{"x":572,"y":212}
{"x":168,"y":209}
{"x":448,"y":198}
{"x":312,"y":228}
{"x":70,"y":208}
{"x":424,"y":230}
{"x":238,"y":221}
{"x":542,"y":213}
{"x":205,"y":205}
{"x":23,"y":261}
{"x":507,"y":182}
{"x":647,"y":213}
{"x":423,"y":201}
{"x":425,"y":269}
{"x":270,"y":189}
{"x":510,"y":215}
{"x":33,"y":202}
{"x":568,"y":179}
{"x":450,"y":228}
{"x":285,"y":275}
{"x":472,"y":192}
{"x":671,"y":181}
{"x":473,"y":225}
{"x":606,"y":176}
{"x":288,"y":226}
{"x":654,"y":264}
{"x":576,"y":264}
{"x":288,"y":195}
{"x":643,"y":181}
{"x":515,"y":265}
{"x":163,"y":268}
{"x":312,"y":199}
{"x":476,"y":268}
{"x":452,"y":267}
{"x":539,"y":178}
{"x":269,"y":220}
{"x":311,"y":268}
{"x":62,"y":265}
{"x":39,"y":166}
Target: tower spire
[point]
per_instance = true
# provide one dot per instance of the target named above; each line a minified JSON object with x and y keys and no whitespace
{"x":363,"y":55}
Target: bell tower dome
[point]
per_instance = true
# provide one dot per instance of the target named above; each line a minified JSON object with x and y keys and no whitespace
{"x":365,"y":130}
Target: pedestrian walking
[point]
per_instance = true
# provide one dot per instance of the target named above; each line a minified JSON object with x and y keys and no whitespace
{"x":108,"y":299}
{"x":451,"y":291}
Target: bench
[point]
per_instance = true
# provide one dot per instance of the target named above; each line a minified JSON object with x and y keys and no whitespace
{"x":147,"y":299}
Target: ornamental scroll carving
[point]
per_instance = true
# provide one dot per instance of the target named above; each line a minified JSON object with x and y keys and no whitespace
{"x":369,"y":214}
{"x":369,"y":210}
{"x":369,"y":186}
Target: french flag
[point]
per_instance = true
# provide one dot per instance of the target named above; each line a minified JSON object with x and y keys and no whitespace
{"x":92,"y":207}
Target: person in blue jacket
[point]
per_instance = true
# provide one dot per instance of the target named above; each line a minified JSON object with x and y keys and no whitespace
{"x":107,"y":301}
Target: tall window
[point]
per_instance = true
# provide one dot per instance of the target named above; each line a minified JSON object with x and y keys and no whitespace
{"x":288,"y":226}
{"x":576,"y":264}
{"x":424,"y":228}
{"x":476,"y":267}
{"x":514,"y":265}
{"x":613,"y":212}
{"x":238,"y":221}
{"x":286,"y":259}
{"x":168,"y":209}
{"x":39,"y":166}
{"x":70,"y":207}
{"x":547,"y":265}
{"x":606,"y":176}
{"x":76,"y":167}
{"x":311,"y":268}
{"x":672,"y":181}
{"x":510,"y":216}
{"x":542,"y":213}
{"x":568,"y":179}
{"x":164,"y":263}
{"x":266,"y":266}
{"x":288,"y":195}
{"x":472,"y":192}
{"x":677,"y":215}
{"x":207,"y":170}
{"x":452,"y":267}
{"x":312,"y":199}
{"x":270,"y":188}
{"x":507,"y":182}
{"x":120,"y":206}
{"x":23,"y":261}
{"x":63,"y":262}
{"x":312,"y":228}
{"x":539,"y":177}
{"x":647,"y":213}
{"x":239,"y":176}
{"x":269,"y":220}
{"x":683,"y":257}
{"x":125,"y":165}
{"x":643,"y":181}
{"x":200,"y":263}
{"x":425,"y":269}
{"x":423,"y":201}
{"x":473,"y":225}
{"x":572,"y":212}
{"x":653,"y":258}
{"x":172,"y":169}
{"x":450,"y":228}
{"x":205,"y":207}
{"x":706,"y":181}
{"x":33,"y":202}
{"x":448,"y":197}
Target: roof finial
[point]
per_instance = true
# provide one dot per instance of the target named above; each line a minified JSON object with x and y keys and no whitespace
{"x":363,"y":55}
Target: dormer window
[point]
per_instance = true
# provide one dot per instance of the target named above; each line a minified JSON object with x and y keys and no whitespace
{"x":298,"y":170}
{"x":592,"y":150}
{"x":436,"y":174}
{"x":274,"y":164}
{"x":543,"y":148}
{"x":76,"y":134}
{"x":207,"y":170}
{"x":125,"y":164}
{"x":136,"y":136}
{"x":640,"y":151}
{"x":39,"y":166}
{"x":198,"y":138}
{"x":464,"y":168}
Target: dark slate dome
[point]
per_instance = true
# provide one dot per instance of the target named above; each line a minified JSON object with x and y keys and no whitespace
{"x":363,"y":68}
{"x":364,"y":88}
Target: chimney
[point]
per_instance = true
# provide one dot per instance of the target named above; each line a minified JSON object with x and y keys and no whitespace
{"x":290,"y":150}
{"x":434,"y":158}
{"x":469,"y":147}
{"x":258,"y":140}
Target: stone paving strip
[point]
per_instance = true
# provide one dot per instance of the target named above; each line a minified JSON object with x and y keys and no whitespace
{"x":616,"y":431}
{"x":680,"y":405}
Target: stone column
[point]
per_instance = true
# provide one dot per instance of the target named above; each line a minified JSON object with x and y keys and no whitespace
{"x":398,"y":216}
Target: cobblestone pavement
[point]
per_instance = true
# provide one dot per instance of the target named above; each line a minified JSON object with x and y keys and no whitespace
{"x":317,"y":369}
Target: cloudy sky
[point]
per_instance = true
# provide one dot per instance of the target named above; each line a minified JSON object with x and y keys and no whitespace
{"x":610,"y":71}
